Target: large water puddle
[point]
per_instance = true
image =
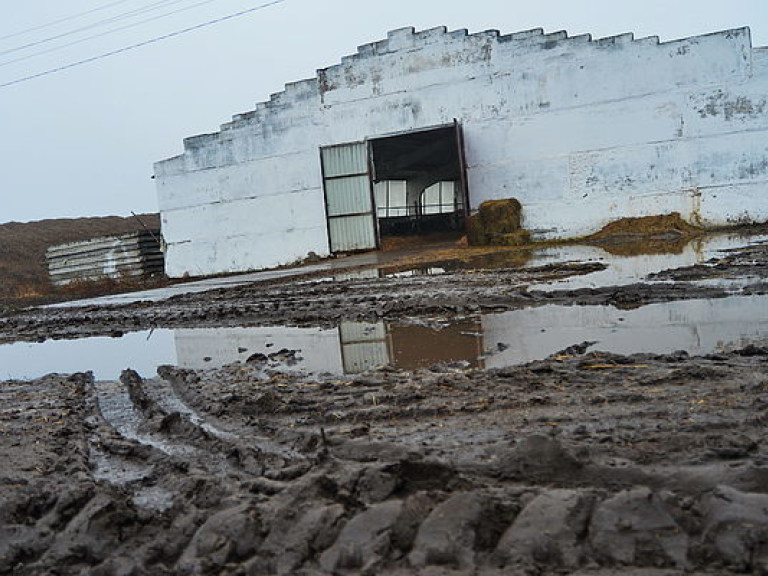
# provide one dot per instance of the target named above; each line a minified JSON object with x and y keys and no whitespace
{"x":622,"y":267}
{"x":494,"y":340}
{"x":629,"y":269}
{"x":484,"y":341}
{"x":105,"y":356}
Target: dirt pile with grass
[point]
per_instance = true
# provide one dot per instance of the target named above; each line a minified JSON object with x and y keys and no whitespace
{"x":661,"y":234}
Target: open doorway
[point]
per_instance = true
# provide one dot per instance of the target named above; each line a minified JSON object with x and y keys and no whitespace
{"x":400,"y":186}
{"x":418,"y":182}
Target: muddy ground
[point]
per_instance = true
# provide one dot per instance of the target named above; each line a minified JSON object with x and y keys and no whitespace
{"x":581,"y":463}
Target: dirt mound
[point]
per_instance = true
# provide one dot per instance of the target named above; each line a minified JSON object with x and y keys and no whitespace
{"x":663,"y":234}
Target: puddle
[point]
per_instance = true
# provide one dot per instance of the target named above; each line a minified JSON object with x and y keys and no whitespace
{"x":487,"y":341}
{"x":696,"y":326}
{"x":105,"y":356}
{"x":623,"y":270}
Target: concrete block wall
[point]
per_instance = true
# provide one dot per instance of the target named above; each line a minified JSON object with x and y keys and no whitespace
{"x":581,"y":131}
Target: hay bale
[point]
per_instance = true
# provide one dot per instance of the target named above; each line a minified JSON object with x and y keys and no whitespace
{"x":512,"y":239}
{"x":476,"y":231}
{"x":501,"y":216}
{"x":497,"y":223}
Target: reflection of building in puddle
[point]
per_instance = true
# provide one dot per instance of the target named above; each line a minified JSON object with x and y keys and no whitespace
{"x":318,"y":349}
{"x":696,"y":326}
{"x":363,"y":274}
{"x":410,"y":346}
{"x":351,"y":348}
{"x":363,"y":345}
{"x":628,"y":269}
{"x":411,"y":272}
{"x":376,"y":273}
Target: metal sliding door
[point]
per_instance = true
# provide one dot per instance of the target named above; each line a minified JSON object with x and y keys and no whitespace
{"x":348,"y":198}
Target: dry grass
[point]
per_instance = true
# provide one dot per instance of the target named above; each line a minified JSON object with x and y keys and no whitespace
{"x":23,"y":270}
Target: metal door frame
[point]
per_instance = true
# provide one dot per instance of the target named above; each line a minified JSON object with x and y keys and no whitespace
{"x":459,"y":131}
{"x":371,"y":174}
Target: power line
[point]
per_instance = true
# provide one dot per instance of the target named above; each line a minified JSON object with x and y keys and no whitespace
{"x":60,"y":20}
{"x":101,"y":34}
{"x":144,"y":43}
{"x":117,"y":18}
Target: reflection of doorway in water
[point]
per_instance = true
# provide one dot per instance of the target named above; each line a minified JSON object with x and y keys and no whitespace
{"x":410,"y":346}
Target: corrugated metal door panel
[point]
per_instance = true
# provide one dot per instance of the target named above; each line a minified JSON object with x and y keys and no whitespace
{"x":348,"y":195}
{"x":351,"y":233}
{"x":362,"y":332}
{"x":363,"y":345}
{"x":346,"y":159}
{"x":364,"y":356}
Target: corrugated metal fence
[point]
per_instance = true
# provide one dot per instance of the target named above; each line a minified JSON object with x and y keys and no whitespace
{"x":133,"y":254}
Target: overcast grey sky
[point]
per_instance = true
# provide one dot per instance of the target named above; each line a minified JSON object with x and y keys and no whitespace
{"x":82,"y":142}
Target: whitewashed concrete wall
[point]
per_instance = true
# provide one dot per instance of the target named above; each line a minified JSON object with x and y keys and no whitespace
{"x":582,"y":132}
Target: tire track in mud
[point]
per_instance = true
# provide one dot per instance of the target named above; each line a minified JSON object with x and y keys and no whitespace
{"x":374,"y":500}
{"x":151,"y":414}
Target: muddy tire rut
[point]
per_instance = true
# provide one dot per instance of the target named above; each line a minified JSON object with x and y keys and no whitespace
{"x":196,"y":473}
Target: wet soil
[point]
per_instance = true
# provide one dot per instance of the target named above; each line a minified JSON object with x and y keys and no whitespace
{"x":581,"y":463}
{"x":326,"y":302}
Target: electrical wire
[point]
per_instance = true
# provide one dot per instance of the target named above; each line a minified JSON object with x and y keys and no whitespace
{"x":144,"y":43}
{"x":60,"y":20}
{"x":101,"y":34}
{"x":116,"y":18}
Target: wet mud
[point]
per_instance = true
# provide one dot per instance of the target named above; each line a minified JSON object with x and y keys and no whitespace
{"x":581,"y":462}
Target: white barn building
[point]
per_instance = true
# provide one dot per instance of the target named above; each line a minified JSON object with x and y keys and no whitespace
{"x":415,"y":131}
